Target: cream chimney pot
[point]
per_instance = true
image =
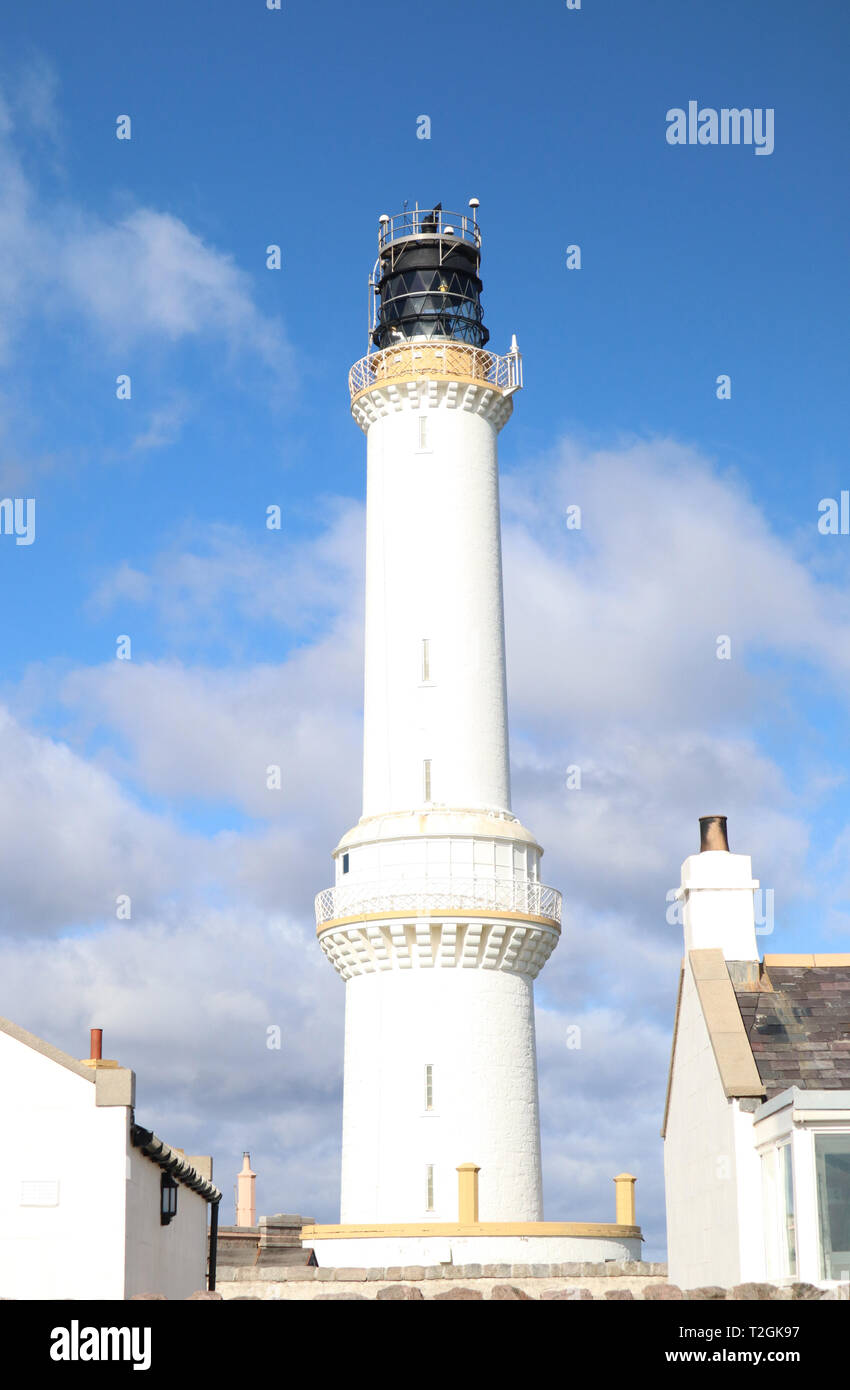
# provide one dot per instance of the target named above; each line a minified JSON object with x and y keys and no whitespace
{"x":246,"y":1201}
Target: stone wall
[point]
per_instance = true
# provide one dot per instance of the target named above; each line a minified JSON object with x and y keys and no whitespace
{"x":622,"y":1281}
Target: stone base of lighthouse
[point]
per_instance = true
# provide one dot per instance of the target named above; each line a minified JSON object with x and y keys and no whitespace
{"x":479,"y":1246}
{"x":541,"y":1243}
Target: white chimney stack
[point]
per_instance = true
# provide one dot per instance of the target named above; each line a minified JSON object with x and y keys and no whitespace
{"x":717,"y":896}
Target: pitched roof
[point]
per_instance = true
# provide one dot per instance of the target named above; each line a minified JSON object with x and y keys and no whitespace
{"x":797,"y":1021}
{"x":791,"y":1026}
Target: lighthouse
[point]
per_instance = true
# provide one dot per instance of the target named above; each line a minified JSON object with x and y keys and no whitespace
{"x":438,"y":920}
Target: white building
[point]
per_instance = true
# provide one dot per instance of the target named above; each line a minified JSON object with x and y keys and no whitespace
{"x":757,"y":1122}
{"x":438,"y":920}
{"x":91,"y":1205}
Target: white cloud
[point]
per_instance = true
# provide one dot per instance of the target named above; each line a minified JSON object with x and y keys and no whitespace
{"x":164,"y":425}
{"x":618,"y":622}
{"x":143,"y":275}
{"x":212,"y":734}
{"x":72,"y":842}
{"x":215,"y":576}
{"x":35,"y":93}
{"x":149,"y":274}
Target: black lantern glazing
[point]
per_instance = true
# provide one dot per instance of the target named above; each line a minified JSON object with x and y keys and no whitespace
{"x":428,"y":284}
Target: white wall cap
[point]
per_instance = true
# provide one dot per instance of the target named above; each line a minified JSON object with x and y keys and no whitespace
{"x":718,"y":868}
{"x":54,"y":1054}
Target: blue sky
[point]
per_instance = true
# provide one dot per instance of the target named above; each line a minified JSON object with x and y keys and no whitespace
{"x":147,"y":257}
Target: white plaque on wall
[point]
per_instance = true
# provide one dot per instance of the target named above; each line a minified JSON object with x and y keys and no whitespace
{"x":40,"y":1192}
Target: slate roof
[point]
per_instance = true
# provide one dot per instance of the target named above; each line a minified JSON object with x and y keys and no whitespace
{"x":798,"y":1026}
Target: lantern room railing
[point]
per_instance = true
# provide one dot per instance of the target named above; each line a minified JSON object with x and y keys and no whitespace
{"x":422,"y":222}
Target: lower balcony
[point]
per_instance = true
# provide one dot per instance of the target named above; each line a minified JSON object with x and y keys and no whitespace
{"x":424,"y":897}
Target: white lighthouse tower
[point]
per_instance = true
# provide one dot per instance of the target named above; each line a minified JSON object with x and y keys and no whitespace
{"x":438,"y":921}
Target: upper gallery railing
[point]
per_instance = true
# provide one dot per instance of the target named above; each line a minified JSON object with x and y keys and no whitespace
{"x":419,"y":222}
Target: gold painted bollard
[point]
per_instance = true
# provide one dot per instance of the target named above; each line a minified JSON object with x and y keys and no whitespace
{"x":467,"y":1194}
{"x":624,"y":1187}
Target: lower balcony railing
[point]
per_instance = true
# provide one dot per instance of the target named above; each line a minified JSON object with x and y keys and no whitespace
{"x":450,"y":895}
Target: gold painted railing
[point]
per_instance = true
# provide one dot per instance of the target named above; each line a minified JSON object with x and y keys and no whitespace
{"x":437,"y":358}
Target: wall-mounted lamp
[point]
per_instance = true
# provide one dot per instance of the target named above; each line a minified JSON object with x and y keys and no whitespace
{"x":168,"y":1199}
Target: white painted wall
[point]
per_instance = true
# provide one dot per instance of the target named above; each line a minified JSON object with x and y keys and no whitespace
{"x":54,"y":1132}
{"x":434,"y":570}
{"x":700,"y":1159}
{"x":163,"y":1259}
{"x":476,"y":1028}
{"x":748,"y":1180}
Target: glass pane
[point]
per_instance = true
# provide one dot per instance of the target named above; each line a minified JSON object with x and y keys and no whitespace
{"x":832,"y":1159}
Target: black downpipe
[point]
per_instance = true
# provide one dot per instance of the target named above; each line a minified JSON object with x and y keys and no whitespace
{"x":213,"y":1246}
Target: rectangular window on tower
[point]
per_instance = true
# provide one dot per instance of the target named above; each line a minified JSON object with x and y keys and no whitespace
{"x":426,"y":658}
{"x":423,"y":431}
{"x":429,"y":1086}
{"x":426,"y":779}
{"x":429,"y":1187}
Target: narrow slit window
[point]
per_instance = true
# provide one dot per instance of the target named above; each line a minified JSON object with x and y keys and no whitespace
{"x":426,"y":778}
{"x":429,"y":1086}
{"x":429,"y":1187}
{"x":345,"y":863}
{"x":426,"y":658}
{"x":423,"y":431}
